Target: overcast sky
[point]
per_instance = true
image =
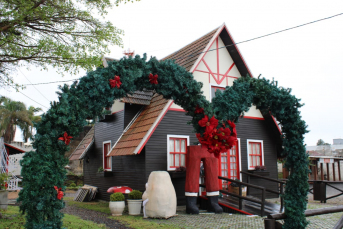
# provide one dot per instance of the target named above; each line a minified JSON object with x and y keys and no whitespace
{"x":308,"y":59}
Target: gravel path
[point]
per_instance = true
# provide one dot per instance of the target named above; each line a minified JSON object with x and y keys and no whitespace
{"x":97,"y":217}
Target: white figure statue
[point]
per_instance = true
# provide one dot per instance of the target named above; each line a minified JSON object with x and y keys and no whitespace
{"x":159,"y":198}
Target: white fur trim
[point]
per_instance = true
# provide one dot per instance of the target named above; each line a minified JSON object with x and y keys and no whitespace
{"x":212,"y":193}
{"x":191,"y":194}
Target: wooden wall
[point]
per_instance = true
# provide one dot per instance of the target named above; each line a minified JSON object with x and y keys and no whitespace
{"x":258,"y":130}
{"x":126,"y":170}
{"x":134,"y":171}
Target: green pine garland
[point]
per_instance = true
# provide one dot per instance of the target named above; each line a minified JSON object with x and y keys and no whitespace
{"x":43,"y":169}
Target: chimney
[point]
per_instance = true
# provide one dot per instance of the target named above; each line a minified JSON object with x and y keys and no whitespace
{"x":129,"y":52}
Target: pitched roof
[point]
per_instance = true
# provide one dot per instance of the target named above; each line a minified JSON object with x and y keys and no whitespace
{"x":188,"y":55}
{"x":138,"y":97}
{"x":135,"y":136}
{"x":83,"y":147}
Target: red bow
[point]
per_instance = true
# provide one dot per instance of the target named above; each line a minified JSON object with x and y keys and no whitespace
{"x":59,"y":192}
{"x":65,"y":138}
{"x":116,"y":82}
{"x":153,"y":78}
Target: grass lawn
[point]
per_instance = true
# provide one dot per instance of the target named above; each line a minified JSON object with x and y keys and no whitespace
{"x":131,"y":221}
{"x":15,"y":220}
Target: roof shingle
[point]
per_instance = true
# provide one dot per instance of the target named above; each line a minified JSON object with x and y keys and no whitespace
{"x":188,"y":55}
{"x":84,"y":145}
{"x":130,"y":140}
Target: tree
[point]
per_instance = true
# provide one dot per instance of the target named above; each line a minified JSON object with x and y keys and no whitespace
{"x":25,"y":127}
{"x":14,"y":113}
{"x":62,"y":33}
{"x":321,"y":142}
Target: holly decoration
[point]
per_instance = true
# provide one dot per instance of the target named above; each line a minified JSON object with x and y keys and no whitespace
{"x":213,"y":123}
{"x":65,"y":138}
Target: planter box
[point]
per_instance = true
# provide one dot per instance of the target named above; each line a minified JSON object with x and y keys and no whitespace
{"x":264,"y":173}
{"x":235,"y":190}
{"x":3,"y":199}
{"x":174,"y":174}
{"x":104,"y":174}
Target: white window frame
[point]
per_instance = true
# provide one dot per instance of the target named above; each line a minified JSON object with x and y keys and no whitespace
{"x":103,"y":157}
{"x":174,"y":136}
{"x":248,"y":151}
{"x":215,"y":85}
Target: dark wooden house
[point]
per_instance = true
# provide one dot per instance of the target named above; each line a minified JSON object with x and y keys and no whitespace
{"x":146,"y":132}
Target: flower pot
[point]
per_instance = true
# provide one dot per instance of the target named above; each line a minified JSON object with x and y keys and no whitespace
{"x":3,"y":199}
{"x":117,"y":207}
{"x":135,"y":207}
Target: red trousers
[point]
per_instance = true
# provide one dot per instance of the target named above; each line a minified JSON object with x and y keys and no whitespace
{"x":196,"y":154}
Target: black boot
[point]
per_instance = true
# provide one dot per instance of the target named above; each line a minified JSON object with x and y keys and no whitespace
{"x":213,"y":205}
{"x":191,"y":205}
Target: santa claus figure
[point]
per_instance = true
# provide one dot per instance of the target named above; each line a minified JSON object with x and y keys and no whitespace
{"x":195,"y":155}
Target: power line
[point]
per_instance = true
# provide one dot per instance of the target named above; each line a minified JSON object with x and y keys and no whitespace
{"x":31,"y":99}
{"x":266,"y":35}
{"x":33,"y":85}
{"x":252,"y":39}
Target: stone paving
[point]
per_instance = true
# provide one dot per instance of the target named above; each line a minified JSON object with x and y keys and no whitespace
{"x":226,"y":220}
{"x":237,"y":221}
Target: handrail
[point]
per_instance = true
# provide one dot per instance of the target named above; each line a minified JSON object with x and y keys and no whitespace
{"x":269,"y":190}
{"x":242,"y":183}
{"x":266,"y":178}
{"x":240,"y":197}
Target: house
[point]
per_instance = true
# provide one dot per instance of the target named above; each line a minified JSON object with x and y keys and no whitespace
{"x":10,"y":157}
{"x":146,"y":132}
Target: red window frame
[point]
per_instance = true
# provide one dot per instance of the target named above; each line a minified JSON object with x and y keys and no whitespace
{"x":172,"y":165}
{"x":231,"y":160}
{"x":253,"y":147}
{"x":107,"y":159}
{"x":216,"y":87}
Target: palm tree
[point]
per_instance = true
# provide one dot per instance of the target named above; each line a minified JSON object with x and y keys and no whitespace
{"x":26,"y":127}
{"x":12,"y":113}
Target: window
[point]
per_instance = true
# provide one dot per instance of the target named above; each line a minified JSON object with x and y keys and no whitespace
{"x":255,"y":153}
{"x":177,"y":148}
{"x":214,"y":89}
{"x":107,"y":161}
{"x":230,"y":165}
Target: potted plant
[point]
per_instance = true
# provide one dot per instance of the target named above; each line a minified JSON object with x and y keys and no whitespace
{"x":117,"y":203}
{"x":134,"y":202}
{"x":3,"y":192}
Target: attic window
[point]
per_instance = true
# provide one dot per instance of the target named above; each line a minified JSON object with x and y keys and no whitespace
{"x":214,"y":89}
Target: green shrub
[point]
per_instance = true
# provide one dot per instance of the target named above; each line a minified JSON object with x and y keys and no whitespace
{"x":135,"y":195}
{"x":72,"y":185}
{"x":118,"y":196}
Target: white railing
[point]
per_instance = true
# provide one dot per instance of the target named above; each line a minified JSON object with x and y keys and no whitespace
{"x":4,"y":159}
{"x":13,"y":183}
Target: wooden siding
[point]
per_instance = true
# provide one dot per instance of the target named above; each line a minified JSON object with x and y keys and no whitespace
{"x":126,"y":170}
{"x":174,"y":123}
{"x":130,"y":111}
{"x":134,"y":171}
{"x":258,"y":130}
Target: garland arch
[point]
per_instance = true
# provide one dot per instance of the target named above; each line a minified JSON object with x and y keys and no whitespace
{"x":43,"y":170}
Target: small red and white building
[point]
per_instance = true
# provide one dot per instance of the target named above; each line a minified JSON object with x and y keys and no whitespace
{"x":148,"y":133}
